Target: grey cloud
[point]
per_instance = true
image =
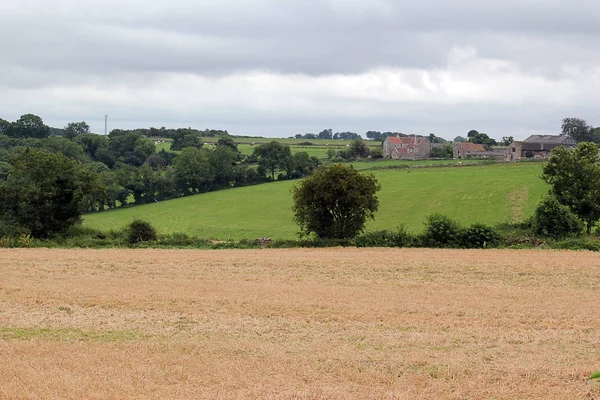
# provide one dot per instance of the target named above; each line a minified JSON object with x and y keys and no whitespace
{"x":312,"y":37}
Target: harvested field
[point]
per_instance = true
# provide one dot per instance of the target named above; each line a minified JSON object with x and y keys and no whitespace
{"x":298,"y":324}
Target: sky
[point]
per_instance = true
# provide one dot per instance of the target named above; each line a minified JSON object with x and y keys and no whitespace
{"x":277,"y":68}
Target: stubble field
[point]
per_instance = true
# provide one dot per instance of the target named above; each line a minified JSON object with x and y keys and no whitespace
{"x":298,"y":324}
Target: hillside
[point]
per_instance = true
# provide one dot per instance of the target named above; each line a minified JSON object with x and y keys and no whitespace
{"x":489,"y":194}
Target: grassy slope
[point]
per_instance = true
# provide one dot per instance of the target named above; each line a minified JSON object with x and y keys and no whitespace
{"x":489,"y":194}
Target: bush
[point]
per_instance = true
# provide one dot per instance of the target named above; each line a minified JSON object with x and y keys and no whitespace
{"x":140,"y":231}
{"x":376,"y":152}
{"x":385,"y":238}
{"x":479,"y":236}
{"x":441,"y":231}
{"x":552,"y":219}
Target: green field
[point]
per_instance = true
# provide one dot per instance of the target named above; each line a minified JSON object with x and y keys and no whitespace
{"x":487,"y":193}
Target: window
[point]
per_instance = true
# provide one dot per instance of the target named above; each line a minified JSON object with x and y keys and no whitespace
{"x":514,"y":149}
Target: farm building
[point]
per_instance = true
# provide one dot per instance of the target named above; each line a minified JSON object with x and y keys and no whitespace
{"x":463,"y":150}
{"x":537,"y":146}
{"x":467,"y":150}
{"x":406,"y":148}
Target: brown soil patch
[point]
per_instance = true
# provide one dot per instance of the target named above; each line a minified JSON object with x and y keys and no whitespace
{"x":298,"y":324}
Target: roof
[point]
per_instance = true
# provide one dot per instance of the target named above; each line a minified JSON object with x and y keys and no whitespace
{"x":407,"y":140}
{"x":547,"y":142}
{"x":471,"y":147}
{"x":551,"y":139}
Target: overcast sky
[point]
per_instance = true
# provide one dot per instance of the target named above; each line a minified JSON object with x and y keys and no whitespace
{"x":277,"y":67}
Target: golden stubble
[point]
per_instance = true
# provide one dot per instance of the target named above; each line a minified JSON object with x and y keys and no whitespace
{"x":299,"y":324}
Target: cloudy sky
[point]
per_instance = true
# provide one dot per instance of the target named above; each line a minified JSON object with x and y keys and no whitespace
{"x":281,"y":67}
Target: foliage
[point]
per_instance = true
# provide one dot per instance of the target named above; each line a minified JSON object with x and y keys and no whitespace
{"x":478,"y":236}
{"x":552,"y":219}
{"x":335,"y":202}
{"x":386,"y":238}
{"x":46,"y":193}
{"x":376,"y":152}
{"x":596,"y":376}
{"x":441,"y":231}
{"x":273,"y":156}
{"x":481,"y":138}
{"x":29,"y":126}
{"x":574,"y":175}
{"x":192,"y":170}
{"x":74,"y":129}
{"x":578,"y":129}
{"x":358,"y":149}
{"x":140,"y":231}
{"x":442,"y":152}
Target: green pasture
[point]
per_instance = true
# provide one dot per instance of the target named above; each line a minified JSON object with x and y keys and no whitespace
{"x":487,"y":193}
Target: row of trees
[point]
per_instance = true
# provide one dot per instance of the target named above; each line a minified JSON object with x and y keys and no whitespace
{"x":46,"y":182}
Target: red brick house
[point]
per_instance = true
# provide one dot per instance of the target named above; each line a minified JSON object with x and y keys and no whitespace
{"x":407,"y":148}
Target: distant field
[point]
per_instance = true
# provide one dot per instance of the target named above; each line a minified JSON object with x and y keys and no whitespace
{"x":298,"y":324}
{"x":488,"y":193}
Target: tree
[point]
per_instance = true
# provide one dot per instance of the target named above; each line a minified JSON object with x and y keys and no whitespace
{"x":46,"y":193}
{"x":442,"y":152}
{"x":481,"y":138}
{"x":578,"y":129}
{"x":74,"y":129}
{"x":5,"y":127}
{"x":335,"y":202}
{"x":192,"y":170}
{"x":29,"y":126}
{"x":273,"y":156}
{"x":574,"y":175}
{"x":326,"y":134}
{"x":358,"y":149}
{"x":507,"y":140}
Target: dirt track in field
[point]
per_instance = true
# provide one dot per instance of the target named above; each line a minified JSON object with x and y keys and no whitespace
{"x":299,"y":324}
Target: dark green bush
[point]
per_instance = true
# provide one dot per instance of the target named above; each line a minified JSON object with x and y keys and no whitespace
{"x":479,"y":236}
{"x":552,"y":219}
{"x":140,"y":231}
{"x":385,"y":238}
{"x":441,"y":231}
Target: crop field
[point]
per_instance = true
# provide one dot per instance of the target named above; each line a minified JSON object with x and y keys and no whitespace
{"x":298,"y":324}
{"x":487,"y":193}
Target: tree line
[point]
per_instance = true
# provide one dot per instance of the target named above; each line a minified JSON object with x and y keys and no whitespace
{"x":47,"y":181}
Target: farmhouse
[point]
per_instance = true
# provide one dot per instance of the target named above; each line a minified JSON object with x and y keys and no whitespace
{"x":537,"y":146}
{"x":406,"y":148}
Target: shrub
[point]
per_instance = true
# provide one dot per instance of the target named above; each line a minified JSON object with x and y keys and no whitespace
{"x":140,"y":231}
{"x":441,"y":231}
{"x":385,"y":238}
{"x":552,"y":219}
{"x":479,"y":236}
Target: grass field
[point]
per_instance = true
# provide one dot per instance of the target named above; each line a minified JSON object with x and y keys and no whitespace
{"x":298,"y":324}
{"x":489,"y":194}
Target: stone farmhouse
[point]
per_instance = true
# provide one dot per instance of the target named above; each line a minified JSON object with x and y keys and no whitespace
{"x":537,"y":146}
{"x":407,"y":148}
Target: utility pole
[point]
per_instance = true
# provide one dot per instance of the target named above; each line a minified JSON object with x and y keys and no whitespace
{"x":105,"y":124}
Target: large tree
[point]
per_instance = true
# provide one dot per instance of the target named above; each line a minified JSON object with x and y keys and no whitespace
{"x":574,"y":175}
{"x":578,"y":129}
{"x":46,"y":193}
{"x":29,"y":126}
{"x":74,"y":129}
{"x":273,"y":156}
{"x":335,"y":202}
